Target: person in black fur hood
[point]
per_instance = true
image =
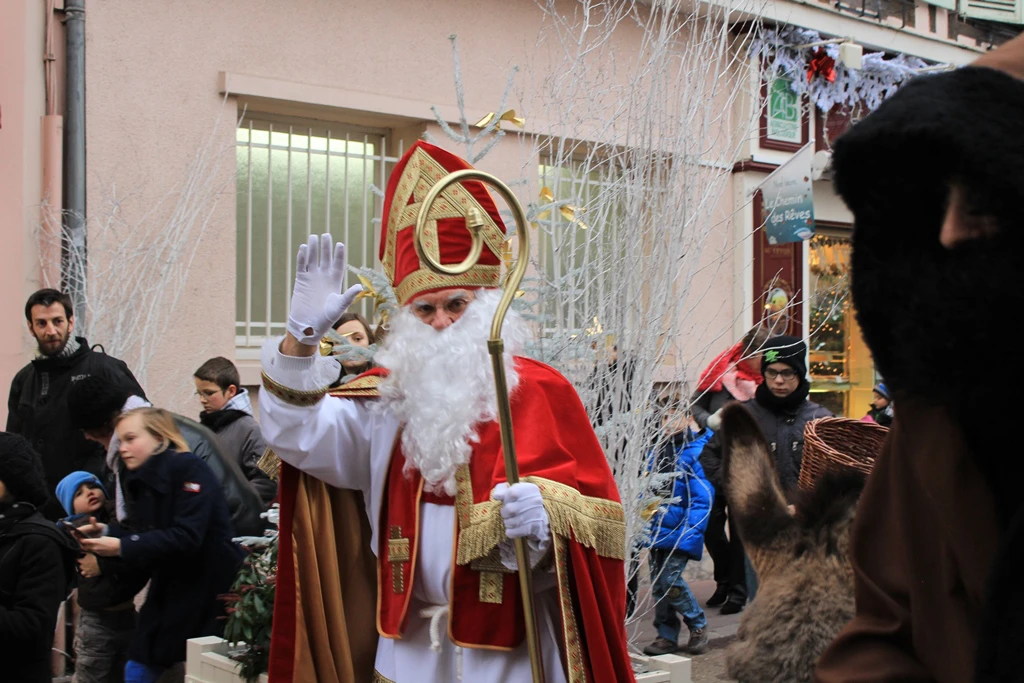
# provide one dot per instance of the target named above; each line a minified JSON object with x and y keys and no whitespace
{"x":36,"y":566}
{"x":933,"y":178}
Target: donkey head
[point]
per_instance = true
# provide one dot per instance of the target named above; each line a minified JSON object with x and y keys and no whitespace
{"x":800,"y":555}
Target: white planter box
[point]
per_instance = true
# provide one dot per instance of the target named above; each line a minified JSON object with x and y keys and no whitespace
{"x":207,"y":662}
{"x":664,"y":669}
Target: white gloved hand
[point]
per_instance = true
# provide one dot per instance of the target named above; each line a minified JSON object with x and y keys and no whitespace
{"x":316,"y":298}
{"x":522,"y":509}
{"x":715,"y":420}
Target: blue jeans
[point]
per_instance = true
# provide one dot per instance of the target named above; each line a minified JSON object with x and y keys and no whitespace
{"x":136,"y":672}
{"x":673,"y":596}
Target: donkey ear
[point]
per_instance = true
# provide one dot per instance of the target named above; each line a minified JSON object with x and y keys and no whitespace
{"x":752,"y":488}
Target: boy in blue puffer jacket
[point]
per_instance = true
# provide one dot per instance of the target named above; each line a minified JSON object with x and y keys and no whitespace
{"x":677,"y":532}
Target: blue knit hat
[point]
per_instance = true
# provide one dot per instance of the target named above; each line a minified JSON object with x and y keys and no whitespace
{"x":68,"y":486}
{"x":882,"y":390}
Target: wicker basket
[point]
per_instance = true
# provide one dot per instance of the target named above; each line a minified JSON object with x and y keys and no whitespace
{"x":833,"y":442}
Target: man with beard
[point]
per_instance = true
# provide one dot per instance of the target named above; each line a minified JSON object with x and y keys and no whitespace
{"x":37,"y":407}
{"x":419,"y":439}
{"x":933,"y":178}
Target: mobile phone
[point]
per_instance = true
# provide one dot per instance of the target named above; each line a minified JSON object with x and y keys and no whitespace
{"x":75,"y":521}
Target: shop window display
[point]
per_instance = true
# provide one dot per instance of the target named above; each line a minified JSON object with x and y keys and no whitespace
{"x":840,"y":365}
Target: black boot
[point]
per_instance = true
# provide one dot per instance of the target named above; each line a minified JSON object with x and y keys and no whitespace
{"x":719,"y":596}
{"x":733,"y":605}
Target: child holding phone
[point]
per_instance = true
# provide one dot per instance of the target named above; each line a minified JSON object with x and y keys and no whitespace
{"x":106,"y":588}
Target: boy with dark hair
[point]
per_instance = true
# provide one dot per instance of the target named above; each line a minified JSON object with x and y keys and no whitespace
{"x":106,"y":589}
{"x":227,"y":412}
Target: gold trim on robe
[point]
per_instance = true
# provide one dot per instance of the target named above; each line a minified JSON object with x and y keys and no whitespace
{"x":595,"y":523}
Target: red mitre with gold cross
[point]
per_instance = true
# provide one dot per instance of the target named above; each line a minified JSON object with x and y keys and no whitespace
{"x":446,"y":237}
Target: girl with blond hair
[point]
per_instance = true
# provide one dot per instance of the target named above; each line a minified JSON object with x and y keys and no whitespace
{"x":179,"y":528}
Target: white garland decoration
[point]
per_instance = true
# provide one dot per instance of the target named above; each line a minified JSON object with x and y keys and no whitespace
{"x":878,"y":78}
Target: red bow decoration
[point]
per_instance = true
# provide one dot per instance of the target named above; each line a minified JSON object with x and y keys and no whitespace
{"x":822,"y":64}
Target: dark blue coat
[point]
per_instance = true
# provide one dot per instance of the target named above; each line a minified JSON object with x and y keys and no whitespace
{"x":680,"y":524}
{"x":181,"y":531}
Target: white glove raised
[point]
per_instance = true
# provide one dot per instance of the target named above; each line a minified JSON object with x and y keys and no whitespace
{"x":522,"y":509}
{"x":316,"y":298}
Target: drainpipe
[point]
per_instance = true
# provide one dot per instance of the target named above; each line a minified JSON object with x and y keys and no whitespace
{"x":51,"y":201}
{"x":74,"y":246}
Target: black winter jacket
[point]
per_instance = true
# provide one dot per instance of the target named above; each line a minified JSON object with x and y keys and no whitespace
{"x":37,"y":409}
{"x":704,"y":404}
{"x":244,"y":504}
{"x":182,"y":533}
{"x":36,"y":574}
{"x":118,"y":581}
{"x":784,"y":431}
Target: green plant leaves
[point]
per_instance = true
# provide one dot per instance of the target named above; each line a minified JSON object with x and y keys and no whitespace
{"x":249,"y":608}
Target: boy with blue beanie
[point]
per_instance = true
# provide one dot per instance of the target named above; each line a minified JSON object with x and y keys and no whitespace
{"x":106,"y":589}
{"x":881,"y":411}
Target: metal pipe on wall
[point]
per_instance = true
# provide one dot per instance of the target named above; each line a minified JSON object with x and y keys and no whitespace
{"x":49,"y":243}
{"x":74,"y":247}
{"x":52,"y":197}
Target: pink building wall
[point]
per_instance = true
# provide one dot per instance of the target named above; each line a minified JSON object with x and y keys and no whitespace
{"x":154,"y":73}
{"x":22,"y":102}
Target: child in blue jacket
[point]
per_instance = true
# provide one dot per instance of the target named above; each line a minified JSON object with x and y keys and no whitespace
{"x":677,"y":532}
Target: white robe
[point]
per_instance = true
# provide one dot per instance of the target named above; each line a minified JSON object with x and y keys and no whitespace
{"x":347,"y":444}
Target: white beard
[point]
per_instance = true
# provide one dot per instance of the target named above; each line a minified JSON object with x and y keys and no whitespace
{"x":440,"y":386}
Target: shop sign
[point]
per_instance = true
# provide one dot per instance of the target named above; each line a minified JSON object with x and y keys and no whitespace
{"x":784,"y":122}
{"x":789,"y":200}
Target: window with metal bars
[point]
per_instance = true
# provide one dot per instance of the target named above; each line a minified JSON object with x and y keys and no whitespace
{"x":296,"y":179}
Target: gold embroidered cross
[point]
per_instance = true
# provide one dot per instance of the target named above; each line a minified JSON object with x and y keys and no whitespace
{"x":398,"y":554}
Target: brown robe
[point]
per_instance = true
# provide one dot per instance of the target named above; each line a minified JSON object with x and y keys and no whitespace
{"x":928,"y":541}
{"x":924,"y":541}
